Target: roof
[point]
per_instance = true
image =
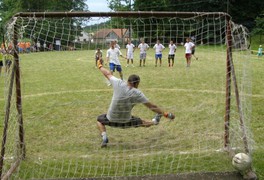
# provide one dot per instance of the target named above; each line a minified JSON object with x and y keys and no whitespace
{"x":104,"y":32}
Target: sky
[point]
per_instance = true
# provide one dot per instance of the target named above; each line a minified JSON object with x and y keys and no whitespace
{"x":97,"y":5}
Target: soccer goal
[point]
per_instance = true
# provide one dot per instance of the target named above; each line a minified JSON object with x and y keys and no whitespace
{"x":53,"y":95}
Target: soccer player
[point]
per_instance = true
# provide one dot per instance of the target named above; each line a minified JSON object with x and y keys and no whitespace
{"x":112,"y":57}
{"x":98,"y":56}
{"x":193,"y":49}
{"x":143,"y":52}
{"x":125,"y":97}
{"x":130,"y":52}
{"x":116,"y":45}
{"x":188,"y":51}
{"x":158,"y":52}
{"x":171,"y":56}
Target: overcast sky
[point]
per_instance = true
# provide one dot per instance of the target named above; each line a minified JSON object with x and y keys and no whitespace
{"x":97,"y":5}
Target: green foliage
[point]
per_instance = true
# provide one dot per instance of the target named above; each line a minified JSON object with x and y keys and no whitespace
{"x":256,"y":40}
{"x":259,"y":28}
{"x":10,"y":7}
{"x":120,"y":5}
{"x":243,"y":11}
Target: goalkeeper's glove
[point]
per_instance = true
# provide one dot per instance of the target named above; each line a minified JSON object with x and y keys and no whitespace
{"x":99,"y":63}
{"x":169,"y":115}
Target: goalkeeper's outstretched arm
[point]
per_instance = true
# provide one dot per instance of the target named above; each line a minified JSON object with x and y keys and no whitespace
{"x":158,"y":110}
{"x":104,"y":71}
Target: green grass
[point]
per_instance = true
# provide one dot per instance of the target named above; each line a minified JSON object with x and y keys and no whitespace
{"x":63,"y":94}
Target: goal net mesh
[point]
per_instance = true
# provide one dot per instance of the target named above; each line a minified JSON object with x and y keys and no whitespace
{"x":63,"y":93}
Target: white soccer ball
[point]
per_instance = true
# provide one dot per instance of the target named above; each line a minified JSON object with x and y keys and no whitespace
{"x":241,"y":161}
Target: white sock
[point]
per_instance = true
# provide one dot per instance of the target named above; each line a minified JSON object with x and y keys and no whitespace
{"x":103,"y":134}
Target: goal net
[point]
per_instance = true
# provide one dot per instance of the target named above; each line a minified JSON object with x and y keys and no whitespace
{"x":53,"y":95}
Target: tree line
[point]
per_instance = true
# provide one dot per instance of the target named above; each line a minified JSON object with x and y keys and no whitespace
{"x":248,"y":13}
{"x":245,"y":12}
{"x":10,"y":7}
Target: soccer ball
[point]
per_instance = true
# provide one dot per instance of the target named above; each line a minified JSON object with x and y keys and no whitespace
{"x":241,"y":161}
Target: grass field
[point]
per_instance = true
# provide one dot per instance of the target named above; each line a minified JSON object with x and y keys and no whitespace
{"x":63,"y":93}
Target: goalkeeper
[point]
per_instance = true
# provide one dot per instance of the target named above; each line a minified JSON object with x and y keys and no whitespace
{"x":125,"y":97}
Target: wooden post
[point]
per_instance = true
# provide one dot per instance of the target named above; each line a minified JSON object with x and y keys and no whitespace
{"x":228,"y":82}
{"x":18,"y":96}
{"x":7,"y":114}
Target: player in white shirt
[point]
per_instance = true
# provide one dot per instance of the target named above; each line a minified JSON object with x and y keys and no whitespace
{"x":130,"y":52}
{"x":143,"y":47}
{"x":116,"y":45}
{"x":98,"y":55}
{"x":158,"y":52}
{"x":112,"y":57}
{"x":171,"y":56}
{"x":188,"y":51}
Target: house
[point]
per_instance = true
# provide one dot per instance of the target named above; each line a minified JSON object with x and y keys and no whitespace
{"x":107,"y":35}
{"x":84,"y":37}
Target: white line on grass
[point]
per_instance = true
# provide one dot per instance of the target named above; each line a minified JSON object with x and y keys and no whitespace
{"x":148,"y":89}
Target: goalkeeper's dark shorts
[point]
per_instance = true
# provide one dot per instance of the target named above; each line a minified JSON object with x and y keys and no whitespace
{"x":134,"y":122}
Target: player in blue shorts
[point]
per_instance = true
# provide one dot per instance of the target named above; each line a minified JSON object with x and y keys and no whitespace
{"x":158,"y":52}
{"x":112,"y":55}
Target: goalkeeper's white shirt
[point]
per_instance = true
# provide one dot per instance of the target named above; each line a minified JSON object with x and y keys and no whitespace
{"x":123,"y":100}
{"x":113,"y":54}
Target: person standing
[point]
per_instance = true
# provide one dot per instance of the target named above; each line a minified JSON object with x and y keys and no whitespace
{"x":193,"y":49}
{"x":125,"y":96}
{"x":98,"y":56}
{"x":171,"y":56}
{"x":112,"y":55}
{"x":158,"y":52}
{"x":1,"y":61}
{"x":130,"y":53}
{"x":188,"y":51}
{"x":143,"y":47}
{"x":116,"y":45}
{"x":260,"y":51}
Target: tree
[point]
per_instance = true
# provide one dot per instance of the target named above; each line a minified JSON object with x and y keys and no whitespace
{"x":119,"y":5}
{"x":259,"y":28}
{"x":242,"y":11}
{"x":10,"y":7}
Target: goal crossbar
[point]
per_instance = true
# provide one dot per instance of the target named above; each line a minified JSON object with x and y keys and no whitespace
{"x":123,"y":14}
